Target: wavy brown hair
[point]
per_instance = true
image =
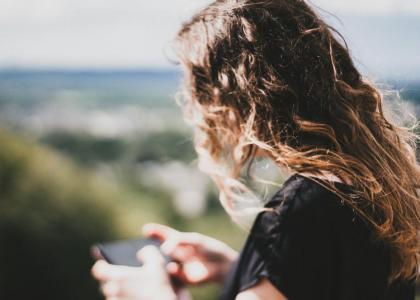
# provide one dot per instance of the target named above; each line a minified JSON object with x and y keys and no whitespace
{"x":270,"y":78}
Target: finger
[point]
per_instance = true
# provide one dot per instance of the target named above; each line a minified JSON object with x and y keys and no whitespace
{"x":188,"y":241}
{"x":181,"y":253}
{"x":175,"y":271}
{"x":150,"y":255}
{"x":111,"y":289}
{"x":196,"y":272}
{"x":173,"y":268}
{"x":159,"y":231}
{"x":103,"y":271}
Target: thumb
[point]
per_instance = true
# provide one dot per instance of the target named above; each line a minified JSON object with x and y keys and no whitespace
{"x":150,"y":255}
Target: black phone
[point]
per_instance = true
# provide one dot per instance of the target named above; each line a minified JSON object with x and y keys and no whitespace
{"x":124,"y":252}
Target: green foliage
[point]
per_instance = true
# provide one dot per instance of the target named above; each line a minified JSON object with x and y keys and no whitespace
{"x":88,"y":150}
{"x":164,"y":146}
{"x":85,"y":148}
{"x":50,"y":215}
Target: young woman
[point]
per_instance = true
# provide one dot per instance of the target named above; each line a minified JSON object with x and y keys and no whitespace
{"x":270,"y":79}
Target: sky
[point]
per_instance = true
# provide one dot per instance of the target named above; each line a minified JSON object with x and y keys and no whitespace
{"x":384,"y":35}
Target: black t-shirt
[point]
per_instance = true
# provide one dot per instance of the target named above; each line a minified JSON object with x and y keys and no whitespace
{"x":313,"y":246}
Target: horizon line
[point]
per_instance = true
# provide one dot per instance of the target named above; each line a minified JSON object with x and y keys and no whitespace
{"x":172,"y":70}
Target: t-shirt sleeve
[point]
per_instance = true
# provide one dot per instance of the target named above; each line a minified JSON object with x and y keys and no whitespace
{"x":293,"y":248}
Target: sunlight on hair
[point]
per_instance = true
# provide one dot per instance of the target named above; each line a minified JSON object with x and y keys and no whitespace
{"x":287,"y":90}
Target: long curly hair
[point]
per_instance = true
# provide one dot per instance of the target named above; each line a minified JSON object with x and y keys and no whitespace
{"x":272,"y":79}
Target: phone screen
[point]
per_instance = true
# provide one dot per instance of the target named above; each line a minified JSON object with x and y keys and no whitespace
{"x":123,"y":252}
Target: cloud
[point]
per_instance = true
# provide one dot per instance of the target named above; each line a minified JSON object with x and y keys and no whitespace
{"x":128,"y":33}
{"x":77,"y":32}
{"x":370,"y":7}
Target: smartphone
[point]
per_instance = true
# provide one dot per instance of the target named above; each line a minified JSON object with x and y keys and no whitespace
{"x":124,"y":252}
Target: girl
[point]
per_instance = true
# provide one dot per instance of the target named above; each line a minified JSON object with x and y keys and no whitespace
{"x":270,"y":79}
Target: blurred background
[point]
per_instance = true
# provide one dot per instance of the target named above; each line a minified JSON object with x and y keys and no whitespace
{"x":92,"y":144}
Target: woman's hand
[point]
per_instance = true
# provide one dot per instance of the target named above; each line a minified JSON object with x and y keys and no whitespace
{"x":148,"y":282}
{"x":201,"y":258}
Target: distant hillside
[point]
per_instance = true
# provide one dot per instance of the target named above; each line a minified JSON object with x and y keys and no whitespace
{"x":409,"y":89}
{"x":148,"y":88}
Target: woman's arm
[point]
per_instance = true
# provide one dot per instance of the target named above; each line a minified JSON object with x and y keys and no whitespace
{"x":261,"y":291}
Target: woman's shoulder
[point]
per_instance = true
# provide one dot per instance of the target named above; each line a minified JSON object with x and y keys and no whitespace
{"x":299,"y":205}
{"x":305,"y":211}
{"x":293,"y":243}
